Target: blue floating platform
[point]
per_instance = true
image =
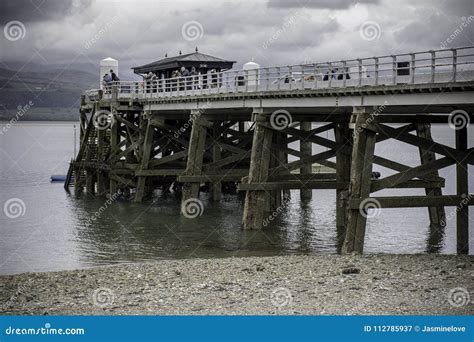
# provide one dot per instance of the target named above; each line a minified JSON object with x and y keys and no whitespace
{"x":58,"y":178}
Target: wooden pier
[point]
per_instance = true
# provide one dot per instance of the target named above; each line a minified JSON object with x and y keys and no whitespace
{"x":234,"y":130}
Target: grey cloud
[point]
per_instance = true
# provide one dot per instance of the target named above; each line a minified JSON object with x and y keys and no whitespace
{"x":321,"y":4}
{"x":422,"y":30}
{"x":38,"y":10}
{"x":233,"y":29}
{"x":456,"y":7}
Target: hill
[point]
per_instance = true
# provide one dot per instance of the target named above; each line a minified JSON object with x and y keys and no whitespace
{"x":52,"y":89}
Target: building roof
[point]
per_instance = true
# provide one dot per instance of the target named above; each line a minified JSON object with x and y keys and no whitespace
{"x":196,"y":59}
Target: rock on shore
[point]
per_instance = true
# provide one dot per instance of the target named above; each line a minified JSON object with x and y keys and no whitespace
{"x":288,"y":285}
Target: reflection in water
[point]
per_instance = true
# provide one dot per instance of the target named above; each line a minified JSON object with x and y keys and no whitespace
{"x":58,"y":231}
{"x":127,"y":231}
{"x":434,"y":241}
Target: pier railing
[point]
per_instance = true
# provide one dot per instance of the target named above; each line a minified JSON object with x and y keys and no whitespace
{"x":434,"y":66}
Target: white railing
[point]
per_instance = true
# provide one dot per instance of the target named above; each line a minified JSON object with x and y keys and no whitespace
{"x":435,"y":66}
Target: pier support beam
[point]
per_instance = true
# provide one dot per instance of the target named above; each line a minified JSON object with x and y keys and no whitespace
{"x":280,"y":159}
{"x":145,"y":157}
{"x":462,"y":210}
{"x":361,"y":174}
{"x":259,"y":163}
{"x":343,"y":135}
{"x":195,"y":155}
{"x":91,"y":150}
{"x":114,"y":148}
{"x":436,"y":214}
{"x":90,"y":182}
{"x":101,"y":177}
{"x":306,"y":151}
{"x":78,"y":170}
{"x":216,"y":186}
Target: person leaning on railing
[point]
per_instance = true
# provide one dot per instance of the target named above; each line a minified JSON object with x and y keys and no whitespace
{"x":114,"y":81}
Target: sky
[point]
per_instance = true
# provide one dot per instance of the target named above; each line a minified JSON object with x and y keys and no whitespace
{"x":270,"y":32}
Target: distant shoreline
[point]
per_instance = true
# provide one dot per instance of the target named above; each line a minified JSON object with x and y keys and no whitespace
{"x":3,"y":121}
{"x":40,"y":114}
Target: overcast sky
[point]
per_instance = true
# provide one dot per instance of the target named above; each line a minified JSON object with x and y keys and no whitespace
{"x":272,"y":32}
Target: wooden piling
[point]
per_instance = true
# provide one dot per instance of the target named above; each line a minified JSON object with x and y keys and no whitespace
{"x":90,"y":153}
{"x":101,"y":177}
{"x":361,"y":174}
{"x":114,"y":141}
{"x":436,"y":214}
{"x":259,"y":164}
{"x":343,"y":135}
{"x":195,"y":155}
{"x":216,"y":186}
{"x":306,"y":151}
{"x":145,"y":157}
{"x":462,"y":210}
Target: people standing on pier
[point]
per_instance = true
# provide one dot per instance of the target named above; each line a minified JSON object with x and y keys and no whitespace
{"x":107,"y":82}
{"x":113,"y":79}
{"x":154,"y":83}
{"x":113,"y":75}
{"x":159,"y":82}
{"x":175,"y":75}
{"x":148,"y":81}
{"x":194,"y":77}
{"x":185,"y":74}
{"x":213,"y":78}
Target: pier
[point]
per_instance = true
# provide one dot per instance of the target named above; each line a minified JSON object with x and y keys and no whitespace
{"x":225,"y":129}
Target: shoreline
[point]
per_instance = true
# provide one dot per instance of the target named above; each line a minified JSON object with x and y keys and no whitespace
{"x":379,"y":284}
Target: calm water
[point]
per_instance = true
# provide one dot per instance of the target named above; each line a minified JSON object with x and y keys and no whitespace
{"x":55,"y":233}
